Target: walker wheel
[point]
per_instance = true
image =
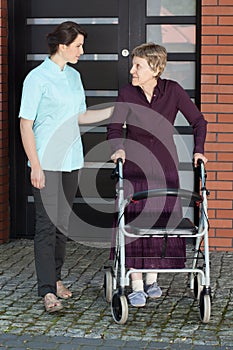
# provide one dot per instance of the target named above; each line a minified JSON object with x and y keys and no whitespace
{"x":108,"y":286}
{"x":197,"y":288}
{"x":205,"y":306}
{"x":119,"y":308}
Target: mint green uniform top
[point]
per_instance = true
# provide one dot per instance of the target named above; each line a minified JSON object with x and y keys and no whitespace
{"x":53,"y":99}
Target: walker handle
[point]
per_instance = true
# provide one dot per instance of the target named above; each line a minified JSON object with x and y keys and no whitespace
{"x":115,"y":172}
{"x":119,"y":160}
{"x":202,"y":170}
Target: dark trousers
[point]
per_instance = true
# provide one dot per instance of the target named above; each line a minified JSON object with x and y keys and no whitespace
{"x":53,"y":206}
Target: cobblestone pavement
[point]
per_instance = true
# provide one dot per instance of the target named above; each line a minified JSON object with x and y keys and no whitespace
{"x":170,"y":322}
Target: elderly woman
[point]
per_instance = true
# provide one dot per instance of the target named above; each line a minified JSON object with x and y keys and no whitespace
{"x":147,"y":107}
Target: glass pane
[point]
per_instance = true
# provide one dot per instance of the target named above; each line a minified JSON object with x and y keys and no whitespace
{"x":182,"y":72}
{"x":184,"y":145}
{"x":171,"y":7}
{"x":181,"y":120}
{"x":176,"y":38}
{"x":187,"y":211}
{"x":186,"y":178}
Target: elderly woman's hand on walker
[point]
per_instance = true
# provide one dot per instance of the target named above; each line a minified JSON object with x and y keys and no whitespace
{"x":120,"y":153}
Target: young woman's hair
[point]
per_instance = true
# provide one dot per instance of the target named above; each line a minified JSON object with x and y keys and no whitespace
{"x":155,"y":55}
{"x":64,"y":33}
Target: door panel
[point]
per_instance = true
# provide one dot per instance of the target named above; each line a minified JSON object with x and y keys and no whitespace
{"x":112,"y":26}
{"x":102,"y":68}
{"x":78,"y":8}
{"x":102,"y":38}
{"x":99,"y":75}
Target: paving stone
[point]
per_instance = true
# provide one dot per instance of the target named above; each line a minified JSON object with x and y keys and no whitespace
{"x":171,"y":322}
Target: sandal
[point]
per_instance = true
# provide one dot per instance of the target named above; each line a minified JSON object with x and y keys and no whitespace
{"x":62,"y":291}
{"x":51,"y":303}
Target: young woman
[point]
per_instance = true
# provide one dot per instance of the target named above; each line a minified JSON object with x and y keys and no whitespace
{"x":52,"y":106}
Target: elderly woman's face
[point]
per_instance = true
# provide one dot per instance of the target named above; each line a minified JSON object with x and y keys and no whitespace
{"x":142,"y":73}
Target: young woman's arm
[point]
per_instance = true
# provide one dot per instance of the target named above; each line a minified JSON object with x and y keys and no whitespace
{"x":29,"y":144}
{"x":95,"y":116}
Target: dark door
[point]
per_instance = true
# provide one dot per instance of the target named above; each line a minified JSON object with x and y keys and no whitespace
{"x":114,"y":27}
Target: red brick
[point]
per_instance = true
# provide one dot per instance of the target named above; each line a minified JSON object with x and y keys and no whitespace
{"x":212,"y":156}
{"x":225,"y":195}
{"x":212,"y":214}
{"x":217,"y":10}
{"x":212,"y":176}
{"x":220,"y":242}
{"x":3,"y":238}
{"x":225,"y":99}
{"x":4,"y":32}
{"x":225,"y":2}
{"x":211,"y":137}
{"x":209,"y":20}
{"x":212,"y":194}
{"x":3,"y":68}
{"x":225,"y":40}
{"x":218,"y":108}
{"x":3,"y":152}
{"x":4,"y":227}
{"x":225,"y":60}
{"x":4,"y":182}
{"x":208,"y":79}
{"x":211,"y":166}
{"x":224,"y":233}
{"x":220,"y":204}
{"x":227,"y":157}
{"x":209,"y":59}
{"x":4,"y":197}
{"x":226,"y":175}
{"x":225,"y":137}
{"x":3,"y":13}
{"x":218,"y":89}
{"x":225,"y":20}
{"x":209,"y":98}
{"x":217,"y":49}
{"x":4,"y":178}
{"x":211,"y":233}
{"x":209,"y":40}
{"x":217,"y":30}
{"x":211,"y":118}
{"x":219,"y":249}
{"x":225,"y":214}
{"x":225,"y":79}
{"x":220,"y":185}
{"x":3,"y":41}
{"x":225,"y":118}
{"x":209,"y":2}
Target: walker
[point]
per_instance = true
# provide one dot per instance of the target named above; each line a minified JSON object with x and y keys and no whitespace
{"x":116,"y":278}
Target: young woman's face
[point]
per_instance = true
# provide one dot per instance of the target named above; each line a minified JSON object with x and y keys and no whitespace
{"x":141,"y":72}
{"x":72,"y":52}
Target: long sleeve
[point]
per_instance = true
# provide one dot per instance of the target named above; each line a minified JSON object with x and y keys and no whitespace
{"x":115,"y":126}
{"x":195,"y":118}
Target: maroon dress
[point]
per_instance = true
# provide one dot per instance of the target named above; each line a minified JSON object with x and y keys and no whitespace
{"x":152,"y":162}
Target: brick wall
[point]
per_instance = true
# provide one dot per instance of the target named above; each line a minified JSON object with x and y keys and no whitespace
{"x":217,"y":106}
{"x":4,"y":161}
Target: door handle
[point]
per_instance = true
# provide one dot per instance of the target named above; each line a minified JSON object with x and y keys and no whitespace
{"x":125,"y":52}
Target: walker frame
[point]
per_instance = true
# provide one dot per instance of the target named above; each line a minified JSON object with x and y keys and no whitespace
{"x":117,"y":277}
